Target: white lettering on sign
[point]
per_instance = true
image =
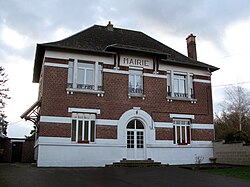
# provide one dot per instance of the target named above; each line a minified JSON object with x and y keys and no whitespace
{"x":136,"y":61}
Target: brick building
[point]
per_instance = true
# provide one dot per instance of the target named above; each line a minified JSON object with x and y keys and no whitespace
{"x":16,"y":150}
{"x":107,"y":94}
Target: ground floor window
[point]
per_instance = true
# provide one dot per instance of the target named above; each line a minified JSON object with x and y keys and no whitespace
{"x":83,"y":127}
{"x":181,"y":131}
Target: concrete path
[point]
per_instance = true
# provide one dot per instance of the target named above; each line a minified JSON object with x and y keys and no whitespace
{"x":27,"y":175}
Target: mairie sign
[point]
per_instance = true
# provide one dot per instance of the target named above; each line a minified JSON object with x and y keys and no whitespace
{"x":136,"y":61}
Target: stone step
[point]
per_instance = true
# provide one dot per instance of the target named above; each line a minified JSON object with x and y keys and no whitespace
{"x":136,"y":163}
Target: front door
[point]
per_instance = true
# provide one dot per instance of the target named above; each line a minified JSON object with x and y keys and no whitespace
{"x":135,"y":140}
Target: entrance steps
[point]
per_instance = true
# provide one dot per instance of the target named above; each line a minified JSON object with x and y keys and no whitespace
{"x":137,"y":163}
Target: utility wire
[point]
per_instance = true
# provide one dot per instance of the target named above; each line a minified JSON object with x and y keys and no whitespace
{"x":224,"y":85}
{"x":14,"y":123}
{"x":227,"y":56}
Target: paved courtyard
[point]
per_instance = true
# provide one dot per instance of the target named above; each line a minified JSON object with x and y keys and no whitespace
{"x":28,"y":175}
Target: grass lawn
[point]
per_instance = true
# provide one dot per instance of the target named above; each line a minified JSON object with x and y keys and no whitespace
{"x":237,"y":172}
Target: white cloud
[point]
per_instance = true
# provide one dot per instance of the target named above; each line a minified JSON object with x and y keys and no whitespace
{"x":62,"y":33}
{"x":19,"y":129}
{"x":23,"y":94}
{"x":237,"y":37}
{"x":14,"y":39}
{"x":235,"y":65}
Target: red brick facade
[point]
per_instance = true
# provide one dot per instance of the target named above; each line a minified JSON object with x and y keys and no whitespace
{"x":106,"y":132}
{"x":115,"y":101}
{"x":28,"y":151}
{"x":54,"y":129}
{"x":164,"y":133}
{"x":202,"y":134}
{"x":196,"y":134}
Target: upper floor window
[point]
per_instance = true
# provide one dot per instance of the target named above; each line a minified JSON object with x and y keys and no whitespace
{"x":135,"y":82}
{"x":180,"y":85}
{"x":83,"y":127}
{"x":181,"y":131}
{"x":85,"y":75}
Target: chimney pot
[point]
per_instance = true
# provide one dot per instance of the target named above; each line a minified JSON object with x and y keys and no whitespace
{"x":191,"y":47}
{"x":110,"y":26}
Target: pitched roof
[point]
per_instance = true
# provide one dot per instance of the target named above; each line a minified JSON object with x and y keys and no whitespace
{"x":103,"y":40}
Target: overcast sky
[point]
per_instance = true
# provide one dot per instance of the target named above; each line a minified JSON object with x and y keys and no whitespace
{"x":222,"y":28}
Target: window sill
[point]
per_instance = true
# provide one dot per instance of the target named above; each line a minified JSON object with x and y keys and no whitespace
{"x":183,"y":144}
{"x":83,"y":142}
{"x":72,"y":90}
{"x":136,"y":95}
{"x":171,"y":99}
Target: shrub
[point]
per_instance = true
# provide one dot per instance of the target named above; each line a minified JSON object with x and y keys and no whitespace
{"x":238,"y":136}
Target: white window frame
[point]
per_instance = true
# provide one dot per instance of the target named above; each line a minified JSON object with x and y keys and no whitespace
{"x":85,"y":70}
{"x":100,"y":74}
{"x":83,"y":117}
{"x":180,"y":78}
{"x":135,"y":74}
{"x":188,"y":84}
{"x":71,"y":74}
{"x":97,"y":71}
{"x":182,"y":124}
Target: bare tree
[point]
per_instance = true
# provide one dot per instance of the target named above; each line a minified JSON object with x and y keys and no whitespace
{"x":235,"y":114}
{"x":3,"y":97}
{"x":237,"y":102}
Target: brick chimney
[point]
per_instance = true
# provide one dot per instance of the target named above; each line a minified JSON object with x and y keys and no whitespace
{"x":110,"y":26}
{"x":191,"y":47}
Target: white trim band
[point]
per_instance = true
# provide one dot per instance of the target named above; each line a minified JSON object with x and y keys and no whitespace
{"x":85,"y":110}
{"x":202,"y":126}
{"x":105,"y":70}
{"x":53,"y":119}
{"x":202,"y":81}
{"x":106,"y":122}
{"x":56,"y":65}
{"x":163,"y":125}
{"x":115,"y":71}
{"x":183,"y":116}
{"x":155,"y":75}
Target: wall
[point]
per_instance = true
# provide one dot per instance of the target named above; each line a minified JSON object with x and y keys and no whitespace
{"x":60,"y":152}
{"x":115,"y":101}
{"x":27,"y":153}
{"x":7,"y":146}
{"x":234,"y":153}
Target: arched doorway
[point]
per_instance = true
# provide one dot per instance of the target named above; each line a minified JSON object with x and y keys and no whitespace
{"x":135,"y":140}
